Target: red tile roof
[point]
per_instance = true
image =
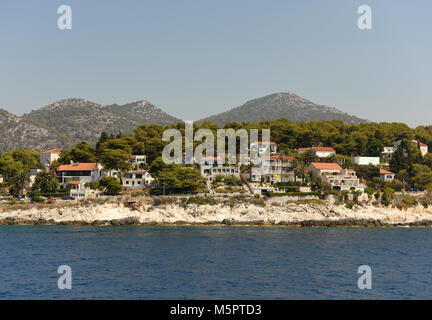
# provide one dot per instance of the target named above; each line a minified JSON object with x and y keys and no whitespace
{"x":324,"y":149}
{"x":264,"y":142}
{"x":382,"y":171}
{"x":77,"y":167}
{"x":73,"y":182}
{"x":326,"y":166}
{"x":51,"y":151}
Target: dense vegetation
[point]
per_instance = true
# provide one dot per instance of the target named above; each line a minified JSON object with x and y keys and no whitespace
{"x":365,"y":139}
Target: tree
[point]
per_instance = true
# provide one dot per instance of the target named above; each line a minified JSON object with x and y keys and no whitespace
{"x":82,"y":152}
{"x":45,"y":182}
{"x":308,"y":157}
{"x":299,"y":168}
{"x":18,"y":182}
{"x":320,"y":186}
{"x":375,"y":147}
{"x":110,"y":185}
{"x":116,"y":159}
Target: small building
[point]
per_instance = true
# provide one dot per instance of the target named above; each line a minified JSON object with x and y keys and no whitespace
{"x":338,"y":178}
{"x":273,"y":168}
{"x":262,"y":147}
{"x":366,"y":161}
{"x":137,"y":180}
{"x":388,"y":151}
{"x":48,"y":156}
{"x":422,"y":146}
{"x":320,"y":152}
{"x":323,"y":169}
{"x":138,"y":161}
{"x":386,"y":175}
{"x":79,"y":172}
{"x":209,"y":168}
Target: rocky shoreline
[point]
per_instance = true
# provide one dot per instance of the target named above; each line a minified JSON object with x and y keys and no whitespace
{"x":177,"y":212}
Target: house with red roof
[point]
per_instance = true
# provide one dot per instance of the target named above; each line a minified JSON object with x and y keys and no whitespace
{"x":320,"y":152}
{"x":338,"y":178}
{"x":386,"y":175}
{"x":422,"y":146}
{"x":80,"y":173}
{"x":48,"y":156}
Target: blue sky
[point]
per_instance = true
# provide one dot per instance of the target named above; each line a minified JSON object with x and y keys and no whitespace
{"x":194,"y":58}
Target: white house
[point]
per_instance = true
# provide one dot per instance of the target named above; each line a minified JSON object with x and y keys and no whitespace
{"x":366,"y":160}
{"x":320,"y":152}
{"x":423,"y":147}
{"x":209,"y":168}
{"x":138,"y":160}
{"x":274,"y":168}
{"x":388,"y":151}
{"x":262,"y":147}
{"x":137,"y":180}
{"x":386,"y":175}
{"x":49,"y":156}
{"x":338,"y":178}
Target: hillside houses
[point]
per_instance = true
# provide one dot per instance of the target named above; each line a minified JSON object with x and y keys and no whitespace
{"x":320,"y":152}
{"x":338,"y":178}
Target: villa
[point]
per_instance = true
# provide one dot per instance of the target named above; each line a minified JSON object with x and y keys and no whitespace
{"x":422,"y":146}
{"x":79,"y":172}
{"x":48,"y":156}
{"x":366,"y":161}
{"x":320,"y":152}
{"x":138,"y":161}
{"x":274,"y":168}
{"x":137,"y":180}
{"x":209,"y":168}
{"x":338,"y":178}
{"x":386,"y":175}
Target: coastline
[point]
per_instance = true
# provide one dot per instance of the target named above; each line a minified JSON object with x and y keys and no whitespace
{"x":176,"y":211}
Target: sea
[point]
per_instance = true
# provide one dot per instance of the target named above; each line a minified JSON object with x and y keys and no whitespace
{"x":226,"y":262}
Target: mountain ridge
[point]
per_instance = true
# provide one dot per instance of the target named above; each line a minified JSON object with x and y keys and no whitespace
{"x":281,"y":105}
{"x":65,"y":122}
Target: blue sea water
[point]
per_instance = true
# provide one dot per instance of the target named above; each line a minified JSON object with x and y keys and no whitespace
{"x":144,"y":262}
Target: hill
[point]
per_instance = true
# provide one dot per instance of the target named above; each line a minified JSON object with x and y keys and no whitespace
{"x":65,"y":122}
{"x":281,"y":105}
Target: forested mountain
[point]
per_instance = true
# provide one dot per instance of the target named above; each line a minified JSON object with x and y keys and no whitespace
{"x":281,"y":105}
{"x":65,"y":122}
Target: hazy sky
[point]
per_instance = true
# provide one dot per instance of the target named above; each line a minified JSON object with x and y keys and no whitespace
{"x":194,"y":58}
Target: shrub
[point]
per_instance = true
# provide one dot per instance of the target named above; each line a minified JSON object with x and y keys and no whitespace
{"x":201,"y":201}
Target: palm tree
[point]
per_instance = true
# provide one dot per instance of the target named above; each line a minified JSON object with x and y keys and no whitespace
{"x":18,"y":182}
{"x":317,"y":186}
{"x":299,"y":168}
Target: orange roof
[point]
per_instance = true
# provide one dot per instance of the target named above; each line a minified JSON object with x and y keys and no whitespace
{"x":78,"y":167}
{"x":51,"y":151}
{"x":326,"y":166}
{"x":324,"y":149}
{"x":73,"y":182}
{"x":265,"y":142}
{"x":301,"y":149}
{"x":382,"y":171}
{"x":351,"y":170}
